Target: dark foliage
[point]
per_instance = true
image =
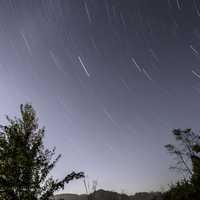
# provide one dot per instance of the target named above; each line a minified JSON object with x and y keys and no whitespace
{"x":25,"y":164}
{"x":187,"y":154}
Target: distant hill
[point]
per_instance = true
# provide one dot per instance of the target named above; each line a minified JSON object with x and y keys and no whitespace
{"x":108,"y":195}
{"x":71,"y":197}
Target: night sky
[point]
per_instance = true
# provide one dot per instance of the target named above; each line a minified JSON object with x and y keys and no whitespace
{"x":109,"y":80}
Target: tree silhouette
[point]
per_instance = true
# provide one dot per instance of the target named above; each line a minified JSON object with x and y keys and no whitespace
{"x":187,"y":155}
{"x":25,"y":164}
{"x":186,"y":151}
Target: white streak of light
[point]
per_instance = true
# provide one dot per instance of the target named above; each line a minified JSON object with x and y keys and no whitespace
{"x":194,"y":50}
{"x":138,"y":67}
{"x":83,"y":66}
{"x":196,"y":74}
{"x":147,"y":74}
{"x":87,"y":12}
{"x":26,"y":42}
{"x":110,"y":117}
{"x":178,"y":4}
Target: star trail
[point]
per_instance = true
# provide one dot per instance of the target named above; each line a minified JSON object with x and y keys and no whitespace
{"x":109,"y":80}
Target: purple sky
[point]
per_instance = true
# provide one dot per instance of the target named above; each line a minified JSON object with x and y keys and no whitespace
{"x":109,"y":80}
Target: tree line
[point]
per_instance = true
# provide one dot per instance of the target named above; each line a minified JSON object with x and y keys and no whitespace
{"x":25,"y":163}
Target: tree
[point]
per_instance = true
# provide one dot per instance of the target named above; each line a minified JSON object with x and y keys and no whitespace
{"x":187,"y":155}
{"x":182,"y":190}
{"x":25,"y":163}
{"x":186,"y":152}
